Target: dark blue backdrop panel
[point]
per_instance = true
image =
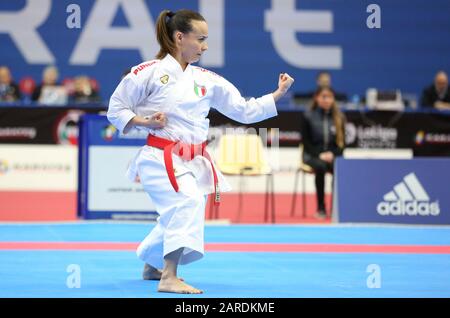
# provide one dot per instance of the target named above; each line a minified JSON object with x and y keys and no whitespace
{"x":411,"y":45}
{"x":393,"y":191}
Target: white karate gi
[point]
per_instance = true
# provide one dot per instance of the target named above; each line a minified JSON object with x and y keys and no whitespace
{"x":185,"y":97}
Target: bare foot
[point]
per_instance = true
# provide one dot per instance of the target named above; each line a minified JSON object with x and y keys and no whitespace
{"x":151,"y":273}
{"x":175,"y":285}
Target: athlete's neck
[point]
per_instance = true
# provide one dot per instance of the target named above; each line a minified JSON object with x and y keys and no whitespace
{"x":180,"y":60}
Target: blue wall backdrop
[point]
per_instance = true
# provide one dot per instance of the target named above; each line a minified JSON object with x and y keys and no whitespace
{"x":411,"y":45}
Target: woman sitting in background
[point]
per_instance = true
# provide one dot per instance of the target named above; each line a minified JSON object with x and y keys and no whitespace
{"x":323,"y":134}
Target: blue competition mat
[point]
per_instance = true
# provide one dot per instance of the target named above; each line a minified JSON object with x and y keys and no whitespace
{"x":41,"y":272}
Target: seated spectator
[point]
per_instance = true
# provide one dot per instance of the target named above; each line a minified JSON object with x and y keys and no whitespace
{"x":84,"y":92}
{"x":323,"y":80}
{"x":49,"y":91}
{"x":49,"y":78}
{"x":323,"y":137}
{"x":9,"y":91}
{"x":437,"y":95}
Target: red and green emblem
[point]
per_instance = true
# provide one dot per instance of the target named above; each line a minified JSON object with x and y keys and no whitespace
{"x":199,"y":90}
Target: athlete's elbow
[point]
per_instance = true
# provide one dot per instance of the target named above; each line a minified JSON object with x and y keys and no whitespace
{"x":248,"y":121}
{"x":111,"y":117}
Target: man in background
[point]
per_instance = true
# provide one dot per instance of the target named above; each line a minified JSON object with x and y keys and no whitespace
{"x":437,"y":95}
{"x":9,"y":91}
{"x":323,"y":80}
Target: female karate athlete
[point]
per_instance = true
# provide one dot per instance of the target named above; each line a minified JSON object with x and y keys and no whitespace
{"x":169,"y":98}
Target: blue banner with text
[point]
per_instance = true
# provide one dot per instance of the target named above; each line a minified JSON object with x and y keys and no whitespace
{"x":393,"y":191}
{"x":391,"y":45}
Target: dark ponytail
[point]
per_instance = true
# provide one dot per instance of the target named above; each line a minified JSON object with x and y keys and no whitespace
{"x":167,"y":23}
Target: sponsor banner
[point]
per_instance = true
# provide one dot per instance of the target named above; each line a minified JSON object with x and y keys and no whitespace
{"x":372,"y":130}
{"x":430,"y":134}
{"x":393,"y":191}
{"x":109,"y":189}
{"x":104,"y":190}
{"x":427,"y":133}
{"x":38,"y":168}
{"x":41,"y":125}
{"x":282,"y":130}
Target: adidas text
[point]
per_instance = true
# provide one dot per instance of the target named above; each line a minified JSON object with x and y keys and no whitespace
{"x":423,"y":208}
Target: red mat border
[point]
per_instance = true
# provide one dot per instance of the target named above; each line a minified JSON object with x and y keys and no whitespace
{"x":237,"y":247}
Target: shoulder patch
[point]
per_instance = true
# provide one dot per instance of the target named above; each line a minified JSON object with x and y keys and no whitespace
{"x":143,"y":66}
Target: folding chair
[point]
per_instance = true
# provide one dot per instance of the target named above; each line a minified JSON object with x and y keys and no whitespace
{"x":305,"y":169}
{"x":243,"y":155}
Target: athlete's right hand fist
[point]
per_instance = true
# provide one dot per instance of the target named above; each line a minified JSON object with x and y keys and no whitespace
{"x":155,"y":121}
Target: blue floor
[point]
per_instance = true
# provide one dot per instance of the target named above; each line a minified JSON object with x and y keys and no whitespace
{"x":228,"y":274}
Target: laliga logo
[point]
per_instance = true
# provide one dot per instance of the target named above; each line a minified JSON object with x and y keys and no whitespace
{"x":109,"y":132}
{"x":408,"y":198}
{"x":4,"y":167}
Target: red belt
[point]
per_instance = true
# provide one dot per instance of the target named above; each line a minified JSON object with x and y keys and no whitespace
{"x":186,"y":152}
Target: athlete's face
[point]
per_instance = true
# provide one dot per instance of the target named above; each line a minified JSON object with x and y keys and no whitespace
{"x":193,"y":44}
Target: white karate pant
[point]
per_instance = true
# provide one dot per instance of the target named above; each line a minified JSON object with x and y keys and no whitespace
{"x":181,"y":214}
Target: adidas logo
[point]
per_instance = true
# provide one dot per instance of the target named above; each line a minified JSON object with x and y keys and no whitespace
{"x":408,"y":198}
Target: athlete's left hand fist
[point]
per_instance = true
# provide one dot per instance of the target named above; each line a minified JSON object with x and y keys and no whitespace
{"x":284,"y":82}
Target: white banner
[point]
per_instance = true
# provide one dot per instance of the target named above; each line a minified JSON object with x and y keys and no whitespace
{"x":108,"y":188}
{"x":38,"y":167}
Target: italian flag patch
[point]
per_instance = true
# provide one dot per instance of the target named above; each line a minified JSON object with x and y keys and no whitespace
{"x":199,"y":90}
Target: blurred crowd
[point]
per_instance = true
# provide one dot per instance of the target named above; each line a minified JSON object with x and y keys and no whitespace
{"x":435,"y":95}
{"x":82,"y":89}
{"x":50,"y":90}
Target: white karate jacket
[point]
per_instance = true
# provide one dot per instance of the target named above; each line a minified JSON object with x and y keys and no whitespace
{"x":186,"y":98}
